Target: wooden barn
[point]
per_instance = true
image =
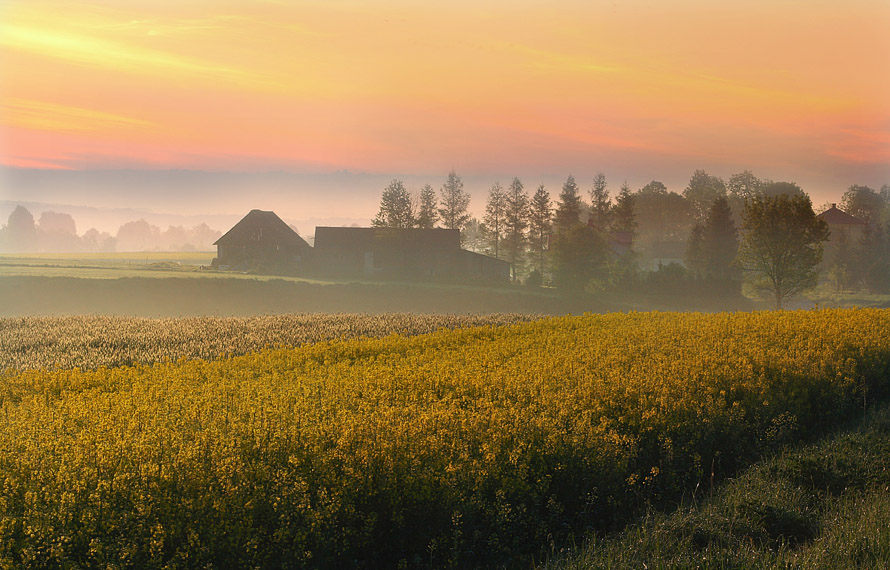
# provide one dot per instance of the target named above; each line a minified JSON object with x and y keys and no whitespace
{"x":261,"y":240}
{"x":402,"y":253}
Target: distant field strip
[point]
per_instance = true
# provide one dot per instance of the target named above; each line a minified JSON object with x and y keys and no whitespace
{"x":88,"y":342}
{"x":473,"y":447}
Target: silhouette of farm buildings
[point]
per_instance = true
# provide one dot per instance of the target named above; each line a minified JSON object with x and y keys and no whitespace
{"x":262,"y":241}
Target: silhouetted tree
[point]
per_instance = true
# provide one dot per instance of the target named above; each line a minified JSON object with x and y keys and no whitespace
{"x":781,"y":245}
{"x":175,"y":238}
{"x":741,"y":187}
{"x":624,"y":216}
{"x":600,"y":203}
{"x":885,"y":199}
{"x":654,"y":187}
{"x":426,"y":212}
{"x":701,"y":192}
{"x":454,"y":202}
{"x":137,"y":236}
{"x":744,"y":186}
{"x":580,"y":256}
{"x":568,"y":207}
{"x":515,"y":225}
{"x":202,"y":237}
{"x":713,"y":247}
{"x":20,"y":232}
{"x":696,"y":262}
{"x":95,"y":241}
{"x":56,"y":222}
{"x":863,"y":203}
{"x":540,"y":225}
{"x":495,"y":210}
{"x":395,"y":208}
{"x":473,"y":236}
{"x":771,"y":189}
{"x":872,"y":259}
{"x":57,"y":232}
{"x":661,"y":216}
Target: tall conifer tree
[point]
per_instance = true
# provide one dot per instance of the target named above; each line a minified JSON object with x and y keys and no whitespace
{"x":515,"y":225}
{"x":494,"y":219}
{"x":569,"y":207}
{"x":540,"y":224}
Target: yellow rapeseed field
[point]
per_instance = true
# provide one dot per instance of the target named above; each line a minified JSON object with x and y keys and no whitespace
{"x":467,"y":447}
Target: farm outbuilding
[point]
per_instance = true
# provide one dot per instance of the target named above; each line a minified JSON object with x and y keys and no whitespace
{"x":261,"y":240}
{"x":403,"y":253}
{"x":840,"y":222}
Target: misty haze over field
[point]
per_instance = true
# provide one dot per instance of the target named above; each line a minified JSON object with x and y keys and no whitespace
{"x":106,"y":199}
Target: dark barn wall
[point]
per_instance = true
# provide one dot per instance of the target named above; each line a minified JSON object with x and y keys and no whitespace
{"x":262,"y":241}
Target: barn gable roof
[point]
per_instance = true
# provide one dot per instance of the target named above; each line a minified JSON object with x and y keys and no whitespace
{"x":261,"y":225}
{"x":836,"y":217}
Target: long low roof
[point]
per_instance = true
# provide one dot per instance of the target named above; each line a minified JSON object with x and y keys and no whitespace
{"x":409,"y":238}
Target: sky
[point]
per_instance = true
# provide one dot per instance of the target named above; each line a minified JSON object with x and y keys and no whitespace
{"x":335,"y":98}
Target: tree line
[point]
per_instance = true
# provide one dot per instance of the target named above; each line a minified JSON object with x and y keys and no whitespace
{"x":57,"y":232}
{"x":746,"y":231}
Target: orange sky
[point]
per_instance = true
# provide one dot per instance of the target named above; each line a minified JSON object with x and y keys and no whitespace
{"x":641,"y":89}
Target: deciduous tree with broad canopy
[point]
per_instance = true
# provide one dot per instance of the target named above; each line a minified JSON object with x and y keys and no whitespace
{"x":701,"y":192}
{"x":781,"y":245}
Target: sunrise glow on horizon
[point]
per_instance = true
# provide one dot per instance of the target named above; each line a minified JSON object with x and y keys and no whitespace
{"x":419,"y":87}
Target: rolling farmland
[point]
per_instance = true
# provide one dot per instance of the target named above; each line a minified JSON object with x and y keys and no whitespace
{"x":460,"y":447}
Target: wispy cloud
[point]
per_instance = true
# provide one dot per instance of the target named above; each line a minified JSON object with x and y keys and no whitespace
{"x":48,"y":116}
{"x":94,"y":51}
{"x":862,"y":145}
{"x":27,"y":162}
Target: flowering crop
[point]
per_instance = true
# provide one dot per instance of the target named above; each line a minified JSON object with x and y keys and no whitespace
{"x":88,"y":342}
{"x":460,"y":447}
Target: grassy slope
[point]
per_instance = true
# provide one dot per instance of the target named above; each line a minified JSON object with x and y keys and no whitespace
{"x":191,"y":296}
{"x":826,"y":505}
{"x":174,"y":284}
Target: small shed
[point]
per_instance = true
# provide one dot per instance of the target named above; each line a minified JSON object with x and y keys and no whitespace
{"x":261,"y":240}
